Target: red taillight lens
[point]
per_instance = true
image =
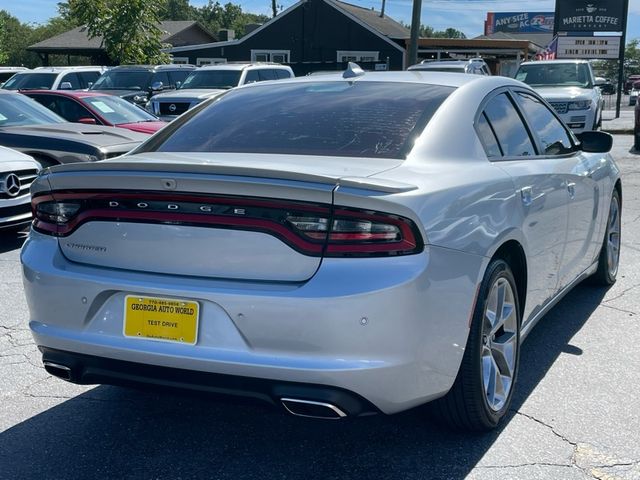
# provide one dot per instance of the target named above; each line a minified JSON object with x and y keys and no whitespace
{"x":310,"y":229}
{"x":360,"y":233}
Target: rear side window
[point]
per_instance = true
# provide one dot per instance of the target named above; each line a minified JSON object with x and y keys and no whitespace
{"x":283,"y":73}
{"x":268,"y":74}
{"x":487,"y":137}
{"x":508,"y":127}
{"x":88,"y":77}
{"x":547,"y":127}
{"x":179,"y":76}
{"x":72,"y":79}
{"x":252,"y":76}
{"x":370,"y":119}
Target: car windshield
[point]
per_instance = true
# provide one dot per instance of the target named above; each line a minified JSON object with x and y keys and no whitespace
{"x":223,"y":79}
{"x":16,"y":109}
{"x":31,"y":81}
{"x":555,"y":75}
{"x":123,"y":80}
{"x":351,"y":119}
{"x":117,"y":111}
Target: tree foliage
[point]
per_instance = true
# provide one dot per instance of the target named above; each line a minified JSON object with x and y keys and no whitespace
{"x":427,"y":31}
{"x":4,"y":55}
{"x":129,"y":28}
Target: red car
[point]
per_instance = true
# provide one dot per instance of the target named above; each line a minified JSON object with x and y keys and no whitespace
{"x":97,"y":109}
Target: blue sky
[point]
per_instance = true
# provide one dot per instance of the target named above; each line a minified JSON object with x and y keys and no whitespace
{"x":465,"y":15}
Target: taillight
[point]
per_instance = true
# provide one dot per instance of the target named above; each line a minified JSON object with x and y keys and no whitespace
{"x":360,"y":233}
{"x":310,"y":229}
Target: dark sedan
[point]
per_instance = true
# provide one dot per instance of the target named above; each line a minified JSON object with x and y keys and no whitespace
{"x":92,"y":108}
{"x":27,"y":126}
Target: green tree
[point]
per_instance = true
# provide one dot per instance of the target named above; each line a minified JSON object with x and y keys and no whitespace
{"x":4,"y":55}
{"x":427,"y":31}
{"x":129,"y":28}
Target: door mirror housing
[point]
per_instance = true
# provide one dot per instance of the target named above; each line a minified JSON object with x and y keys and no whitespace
{"x":157,"y":86}
{"x":87,"y":121}
{"x":595,"y":142}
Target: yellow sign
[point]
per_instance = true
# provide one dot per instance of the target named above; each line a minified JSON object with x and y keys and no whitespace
{"x":164,"y":319}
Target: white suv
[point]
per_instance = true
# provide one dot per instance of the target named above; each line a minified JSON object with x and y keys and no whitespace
{"x":210,"y":81}
{"x":476,"y":66}
{"x":54,"y":78}
{"x":570,"y":87}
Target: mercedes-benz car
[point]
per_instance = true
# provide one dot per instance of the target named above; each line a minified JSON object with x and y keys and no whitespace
{"x":306,"y":243}
{"x":570,"y":87}
{"x":17,"y":172}
{"x":27,"y":126}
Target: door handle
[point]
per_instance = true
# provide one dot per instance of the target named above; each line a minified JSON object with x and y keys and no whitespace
{"x":571,"y":188}
{"x":526,"y":194}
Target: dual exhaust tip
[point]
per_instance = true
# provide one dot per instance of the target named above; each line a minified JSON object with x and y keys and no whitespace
{"x":295,"y":406}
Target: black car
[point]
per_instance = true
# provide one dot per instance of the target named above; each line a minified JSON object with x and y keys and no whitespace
{"x":30,"y":128}
{"x":137,"y":83}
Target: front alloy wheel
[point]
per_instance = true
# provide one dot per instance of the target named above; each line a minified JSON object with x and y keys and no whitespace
{"x":482,"y":391}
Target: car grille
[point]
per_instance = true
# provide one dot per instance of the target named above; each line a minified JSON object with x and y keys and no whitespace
{"x":180,"y":108}
{"x":560,"y":107}
{"x":26,"y":179}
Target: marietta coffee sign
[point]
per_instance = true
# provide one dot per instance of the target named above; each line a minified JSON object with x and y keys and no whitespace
{"x":589,"y":15}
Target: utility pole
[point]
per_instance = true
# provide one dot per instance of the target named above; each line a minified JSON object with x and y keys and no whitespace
{"x":415,"y":33}
{"x":623,"y":46}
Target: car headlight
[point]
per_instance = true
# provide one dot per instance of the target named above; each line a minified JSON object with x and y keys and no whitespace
{"x":140,"y":99}
{"x":580,"y":105}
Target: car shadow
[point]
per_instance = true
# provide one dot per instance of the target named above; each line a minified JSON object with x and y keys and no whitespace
{"x":111,"y":432}
{"x":12,"y":239}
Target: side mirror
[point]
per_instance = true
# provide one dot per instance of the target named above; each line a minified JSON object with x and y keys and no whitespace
{"x":66,"y":86}
{"x":595,"y":142}
{"x":87,"y":121}
{"x":157,"y":86}
{"x":89,"y":84}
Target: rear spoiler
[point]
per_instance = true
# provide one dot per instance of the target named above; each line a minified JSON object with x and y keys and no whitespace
{"x":361,"y":183}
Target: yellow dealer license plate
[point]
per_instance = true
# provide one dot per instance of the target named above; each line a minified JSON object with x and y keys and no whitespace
{"x":165,"y":319}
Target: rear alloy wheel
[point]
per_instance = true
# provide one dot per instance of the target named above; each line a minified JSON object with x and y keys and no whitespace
{"x":482,"y":391}
{"x":609,"y":259}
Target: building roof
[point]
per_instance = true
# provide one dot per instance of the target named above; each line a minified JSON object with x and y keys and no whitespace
{"x":77,"y":39}
{"x":540,"y":39}
{"x":385,"y":25}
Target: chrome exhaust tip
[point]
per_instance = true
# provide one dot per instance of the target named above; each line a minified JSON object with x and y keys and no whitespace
{"x":57,"y":370}
{"x":311,"y":409}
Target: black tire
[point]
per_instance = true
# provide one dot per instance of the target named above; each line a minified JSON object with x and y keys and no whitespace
{"x":466,"y":407}
{"x":605,"y":275}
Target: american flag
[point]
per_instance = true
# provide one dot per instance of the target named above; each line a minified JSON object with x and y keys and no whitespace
{"x":549,"y":53}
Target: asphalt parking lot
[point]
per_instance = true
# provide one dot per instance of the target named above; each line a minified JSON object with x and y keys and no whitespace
{"x":575,"y":413}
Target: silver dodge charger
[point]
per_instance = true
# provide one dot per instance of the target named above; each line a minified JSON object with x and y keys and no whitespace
{"x":340,"y":245}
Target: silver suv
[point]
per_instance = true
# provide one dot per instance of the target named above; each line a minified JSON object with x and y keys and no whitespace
{"x":476,"y":66}
{"x":210,"y":81}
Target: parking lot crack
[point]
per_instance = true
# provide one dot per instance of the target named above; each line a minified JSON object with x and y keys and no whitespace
{"x":621,"y":294}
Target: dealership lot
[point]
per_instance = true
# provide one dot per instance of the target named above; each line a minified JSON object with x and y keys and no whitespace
{"x":573,"y":411}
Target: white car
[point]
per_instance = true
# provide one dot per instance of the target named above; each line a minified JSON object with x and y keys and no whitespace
{"x":570,"y":87}
{"x":54,"y":78}
{"x":313,"y":244}
{"x":17,"y":172}
{"x":211,"y":81}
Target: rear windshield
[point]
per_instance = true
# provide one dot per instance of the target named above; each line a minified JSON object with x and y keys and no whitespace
{"x":351,"y":119}
{"x":31,"y":81}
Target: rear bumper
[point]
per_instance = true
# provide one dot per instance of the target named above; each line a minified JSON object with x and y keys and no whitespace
{"x":88,"y":370}
{"x":389,"y":330}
